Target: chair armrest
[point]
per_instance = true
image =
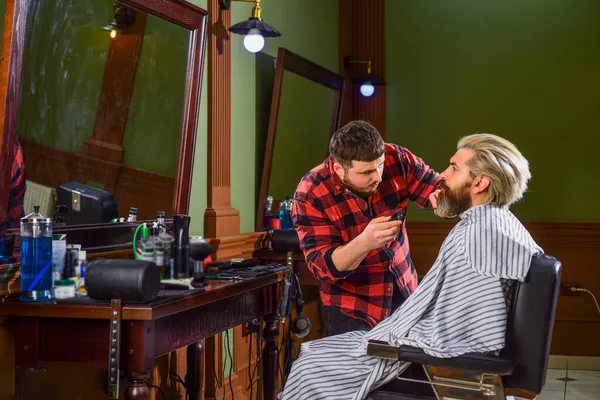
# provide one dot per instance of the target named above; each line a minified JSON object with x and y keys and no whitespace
{"x":478,"y":362}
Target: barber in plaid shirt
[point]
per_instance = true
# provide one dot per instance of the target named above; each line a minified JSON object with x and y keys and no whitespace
{"x":342,"y":211}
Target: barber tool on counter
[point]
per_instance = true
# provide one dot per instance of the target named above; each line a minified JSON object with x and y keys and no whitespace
{"x":180,"y":250}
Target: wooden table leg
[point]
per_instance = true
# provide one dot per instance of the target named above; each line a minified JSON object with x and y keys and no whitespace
{"x":137,"y":388}
{"x":195,"y":373}
{"x":26,"y":355}
{"x":270,"y":356}
{"x":137,"y":353}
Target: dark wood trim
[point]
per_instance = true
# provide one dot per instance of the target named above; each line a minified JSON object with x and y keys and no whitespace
{"x":362,"y":38}
{"x":187,"y":146}
{"x":180,"y":12}
{"x":13,"y":42}
{"x":287,"y":60}
{"x":193,"y":18}
{"x":115,"y":94}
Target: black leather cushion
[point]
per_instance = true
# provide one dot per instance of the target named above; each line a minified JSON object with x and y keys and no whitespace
{"x":472,"y":361}
{"x":285,"y":240}
{"x":529,"y":330}
{"x":128,"y":280}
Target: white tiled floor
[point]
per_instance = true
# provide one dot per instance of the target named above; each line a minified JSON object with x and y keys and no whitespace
{"x":572,"y":378}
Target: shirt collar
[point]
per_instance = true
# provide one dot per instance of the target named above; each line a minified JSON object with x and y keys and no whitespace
{"x":337,"y":182}
{"x":469,"y":211}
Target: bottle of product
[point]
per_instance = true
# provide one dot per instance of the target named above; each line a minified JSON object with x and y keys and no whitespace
{"x":159,"y":255}
{"x":285,"y":218}
{"x":36,"y":257}
{"x":64,"y":289}
{"x":133,"y":212}
{"x":144,"y":247}
{"x":266,"y":216}
{"x":164,"y":243}
{"x":82,"y":261}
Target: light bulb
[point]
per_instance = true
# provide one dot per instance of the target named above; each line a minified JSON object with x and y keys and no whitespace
{"x":367,"y":89}
{"x":254,"y":41}
{"x":113,"y":34}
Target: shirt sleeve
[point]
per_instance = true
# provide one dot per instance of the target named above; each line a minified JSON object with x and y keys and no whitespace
{"x":318,"y":240}
{"x":421,"y":179}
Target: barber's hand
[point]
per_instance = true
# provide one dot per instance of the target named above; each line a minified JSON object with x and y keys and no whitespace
{"x":380,"y":232}
{"x":433,"y":200}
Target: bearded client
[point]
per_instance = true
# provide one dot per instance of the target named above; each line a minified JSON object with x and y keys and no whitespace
{"x":482,"y":257}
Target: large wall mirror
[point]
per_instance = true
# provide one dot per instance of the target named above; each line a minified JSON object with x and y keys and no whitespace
{"x":305,"y":111}
{"x":107,"y":105}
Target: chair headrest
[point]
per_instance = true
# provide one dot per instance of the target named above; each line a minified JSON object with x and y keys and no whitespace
{"x":285,"y":240}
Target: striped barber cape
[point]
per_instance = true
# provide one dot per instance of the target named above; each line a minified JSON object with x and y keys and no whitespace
{"x":459,"y":307}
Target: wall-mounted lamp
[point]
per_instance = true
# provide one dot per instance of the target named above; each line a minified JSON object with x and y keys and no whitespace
{"x":123,"y":18}
{"x":254,"y":28}
{"x":367,"y":82}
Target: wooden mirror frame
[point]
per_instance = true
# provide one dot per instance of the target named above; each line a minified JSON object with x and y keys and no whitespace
{"x":287,"y":60}
{"x":179,"y":12}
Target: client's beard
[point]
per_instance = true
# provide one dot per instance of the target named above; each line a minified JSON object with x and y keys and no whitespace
{"x":452,"y":202}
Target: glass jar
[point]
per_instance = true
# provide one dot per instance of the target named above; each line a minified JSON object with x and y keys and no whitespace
{"x":36,"y":257}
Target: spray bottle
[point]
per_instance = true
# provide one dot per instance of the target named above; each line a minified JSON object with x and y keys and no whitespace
{"x":143,"y":249}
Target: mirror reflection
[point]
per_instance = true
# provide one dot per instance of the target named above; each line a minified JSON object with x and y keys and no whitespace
{"x":302,"y":135}
{"x":100,"y":113}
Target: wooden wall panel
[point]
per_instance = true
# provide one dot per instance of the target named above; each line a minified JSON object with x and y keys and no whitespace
{"x":574,"y":244}
{"x":362,"y":38}
{"x":220,"y":218}
{"x":132,"y":187}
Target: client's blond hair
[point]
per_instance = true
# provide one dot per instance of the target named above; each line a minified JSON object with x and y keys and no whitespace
{"x":502,"y":162}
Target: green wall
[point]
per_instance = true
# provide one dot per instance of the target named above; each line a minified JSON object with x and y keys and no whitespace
{"x":525,"y":70}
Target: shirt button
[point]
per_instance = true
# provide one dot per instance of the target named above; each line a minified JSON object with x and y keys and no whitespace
{"x":389,"y":289}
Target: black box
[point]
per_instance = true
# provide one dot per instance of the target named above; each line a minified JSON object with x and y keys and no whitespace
{"x":86,"y":204}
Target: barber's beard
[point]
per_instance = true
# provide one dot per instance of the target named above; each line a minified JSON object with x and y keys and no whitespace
{"x":452,"y":202}
{"x":359,"y":192}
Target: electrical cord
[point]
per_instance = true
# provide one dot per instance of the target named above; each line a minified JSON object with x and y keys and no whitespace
{"x":258,"y":351}
{"x":230,"y":363}
{"x":574,"y":289}
{"x":160,"y":390}
{"x":250,"y":365}
{"x":178,"y":379}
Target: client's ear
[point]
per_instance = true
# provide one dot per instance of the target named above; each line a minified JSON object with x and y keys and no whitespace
{"x":480,"y":184}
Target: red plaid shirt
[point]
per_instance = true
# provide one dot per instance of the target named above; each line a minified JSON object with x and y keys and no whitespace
{"x":17,"y":189}
{"x":327,"y":215}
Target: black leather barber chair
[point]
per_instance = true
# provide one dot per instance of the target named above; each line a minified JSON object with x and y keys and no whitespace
{"x":521,"y":364}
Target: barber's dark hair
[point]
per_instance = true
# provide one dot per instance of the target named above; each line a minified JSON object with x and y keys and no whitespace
{"x":356,"y":141}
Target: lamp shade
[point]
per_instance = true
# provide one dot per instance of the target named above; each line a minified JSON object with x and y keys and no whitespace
{"x":266,"y":30}
{"x":372,"y":79}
